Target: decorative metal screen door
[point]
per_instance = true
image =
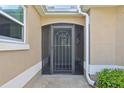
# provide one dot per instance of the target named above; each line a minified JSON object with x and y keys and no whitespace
{"x":62,"y":43}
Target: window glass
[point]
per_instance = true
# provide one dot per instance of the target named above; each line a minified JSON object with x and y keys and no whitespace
{"x":10,"y":28}
{"x":15,"y":11}
{"x":61,"y":8}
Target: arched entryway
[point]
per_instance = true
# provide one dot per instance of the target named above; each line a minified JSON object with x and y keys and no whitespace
{"x":62,"y":48}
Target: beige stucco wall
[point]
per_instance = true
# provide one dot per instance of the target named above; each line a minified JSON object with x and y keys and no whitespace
{"x":102,"y":32}
{"x":107,"y":35}
{"x":120,"y":36}
{"x":12,"y":63}
{"x":62,"y":19}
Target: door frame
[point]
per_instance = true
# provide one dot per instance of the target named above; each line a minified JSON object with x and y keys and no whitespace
{"x":73,"y":45}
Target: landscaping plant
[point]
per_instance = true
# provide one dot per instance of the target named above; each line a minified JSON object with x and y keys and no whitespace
{"x":110,"y":78}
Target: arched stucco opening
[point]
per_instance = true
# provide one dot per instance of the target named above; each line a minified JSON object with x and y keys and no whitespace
{"x":79,"y":20}
{"x":57,"y":23}
{"x":77,"y":48}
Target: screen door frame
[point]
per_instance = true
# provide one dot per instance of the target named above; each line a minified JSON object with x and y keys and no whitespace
{"x":73,"y":45}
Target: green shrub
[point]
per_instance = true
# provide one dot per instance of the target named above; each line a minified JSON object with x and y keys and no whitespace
{"x":110,"y":78}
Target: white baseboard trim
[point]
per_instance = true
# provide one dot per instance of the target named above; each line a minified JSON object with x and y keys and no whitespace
{"x":98,"y":68}
{"x":23,"y":78}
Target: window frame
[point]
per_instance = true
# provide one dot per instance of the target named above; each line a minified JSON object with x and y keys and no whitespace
{"x":23,"y":24}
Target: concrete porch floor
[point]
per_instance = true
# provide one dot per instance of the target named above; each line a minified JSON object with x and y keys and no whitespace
{"x":58,"y":81}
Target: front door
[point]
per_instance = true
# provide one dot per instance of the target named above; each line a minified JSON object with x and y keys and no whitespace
{"x":62,"y":52}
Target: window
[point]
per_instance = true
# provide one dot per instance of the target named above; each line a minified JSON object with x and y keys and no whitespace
{"x":61,"y":8}
{"x":12,"y":23}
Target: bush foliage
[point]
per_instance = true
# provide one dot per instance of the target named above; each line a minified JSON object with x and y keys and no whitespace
{"x":110,"y":78}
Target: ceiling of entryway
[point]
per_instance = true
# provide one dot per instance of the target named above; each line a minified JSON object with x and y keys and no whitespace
{"x":58,"y":10}
{"x":64,"y":9}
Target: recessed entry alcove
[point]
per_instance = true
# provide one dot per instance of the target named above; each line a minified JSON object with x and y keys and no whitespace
{"x":62,"y":48}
